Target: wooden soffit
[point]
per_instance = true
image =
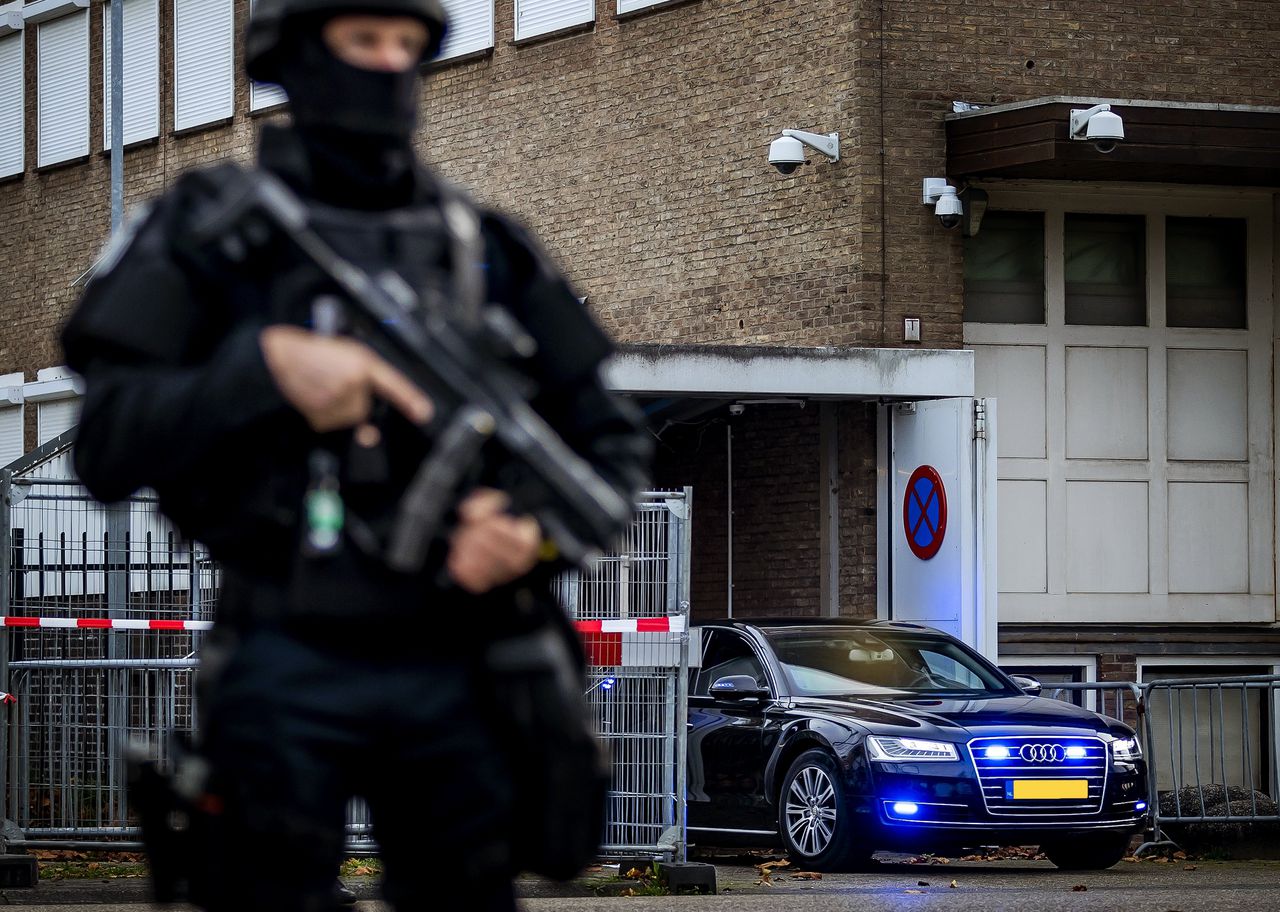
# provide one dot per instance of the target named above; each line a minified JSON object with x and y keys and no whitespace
{"x":1168,"y":142}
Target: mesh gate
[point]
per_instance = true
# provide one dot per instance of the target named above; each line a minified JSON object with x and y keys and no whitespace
{"x":84,"y":693}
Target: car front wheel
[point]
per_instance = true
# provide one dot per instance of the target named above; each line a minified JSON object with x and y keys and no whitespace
{"x":1087,"y":854}
{"x":814,"y":818}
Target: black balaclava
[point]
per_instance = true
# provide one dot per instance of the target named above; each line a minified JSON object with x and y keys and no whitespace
{"x":355,"y":124}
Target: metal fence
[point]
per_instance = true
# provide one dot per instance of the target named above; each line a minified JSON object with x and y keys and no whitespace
{"x":632,"y":611}
{"x":1212,"y":747}
{"x":82,"y":694}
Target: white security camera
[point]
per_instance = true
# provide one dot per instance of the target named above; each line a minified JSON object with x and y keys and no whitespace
{"x":946,"y":204}
{"x":1099,"y":126}
{"x":736,"y":408}
{"x":786,"y":153}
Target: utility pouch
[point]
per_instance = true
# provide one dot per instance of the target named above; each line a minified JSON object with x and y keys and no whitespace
{"x":559,"y":772}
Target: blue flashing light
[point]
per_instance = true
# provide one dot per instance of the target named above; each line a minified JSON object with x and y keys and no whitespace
{"x":1140,"y":806}
{"x":905,"y":808}
{"x":997,"y":752}
{"x":1076,"y":752}
{"x":607,"y":683}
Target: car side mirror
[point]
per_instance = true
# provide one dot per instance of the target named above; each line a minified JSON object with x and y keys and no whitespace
{"x":1027,"y":684}
{"x":737,"y":687}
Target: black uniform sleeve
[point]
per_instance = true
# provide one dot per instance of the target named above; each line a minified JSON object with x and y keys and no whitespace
{"x":604,"y":427}
{"x":166,"y":381}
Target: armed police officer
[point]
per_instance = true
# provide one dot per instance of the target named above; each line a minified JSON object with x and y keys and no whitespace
{"x":223,"y":370}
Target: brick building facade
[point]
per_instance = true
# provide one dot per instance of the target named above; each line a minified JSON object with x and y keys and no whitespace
{"x":635,"y":146}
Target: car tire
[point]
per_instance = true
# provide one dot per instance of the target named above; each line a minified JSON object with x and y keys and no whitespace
{"x":1091,"y":854}
{"x":814,"y":817}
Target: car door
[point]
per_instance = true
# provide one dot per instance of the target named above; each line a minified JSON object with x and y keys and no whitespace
{"x":726,"y":747}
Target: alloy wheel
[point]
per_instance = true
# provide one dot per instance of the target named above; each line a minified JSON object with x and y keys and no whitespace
{"x":811,"y":811}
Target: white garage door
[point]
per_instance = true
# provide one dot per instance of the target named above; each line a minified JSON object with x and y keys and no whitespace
{"x":1127,"y":337}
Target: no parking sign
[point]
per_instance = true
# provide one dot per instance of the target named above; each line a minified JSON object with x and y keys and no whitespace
{"x":924,"y":512}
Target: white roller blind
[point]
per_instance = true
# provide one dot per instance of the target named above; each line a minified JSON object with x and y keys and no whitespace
{"x":10,"y":434}
{"x":204,"y":78}
{"x":141,"y":71}
{"x":53,"y":416}
{"x":12,"y":97}
{"x":630,"y":6}
{"x":62,"y":88}
{"x":539,"y":17}
{"x":264,"y":94}
{"x":470,"y":27}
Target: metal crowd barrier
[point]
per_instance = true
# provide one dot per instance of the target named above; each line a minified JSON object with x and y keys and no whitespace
{"x":632,"y":612}
{"x":82,"y":694}
{"x":1213,"y":748}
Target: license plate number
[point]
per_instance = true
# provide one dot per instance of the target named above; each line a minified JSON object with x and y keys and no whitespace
{"x":1042,"y":789}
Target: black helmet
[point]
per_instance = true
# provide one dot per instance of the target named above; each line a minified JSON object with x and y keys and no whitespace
{"x":267,"y":24}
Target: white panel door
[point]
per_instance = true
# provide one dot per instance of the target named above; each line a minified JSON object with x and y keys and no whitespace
{"x":941,"y":514}
{"x":1152,"y":498}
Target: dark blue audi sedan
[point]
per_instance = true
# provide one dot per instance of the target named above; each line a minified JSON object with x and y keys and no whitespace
{"x":836,"y":740}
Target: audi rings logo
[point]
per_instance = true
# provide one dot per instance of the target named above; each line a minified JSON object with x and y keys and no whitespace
{"x":1042,"y":753}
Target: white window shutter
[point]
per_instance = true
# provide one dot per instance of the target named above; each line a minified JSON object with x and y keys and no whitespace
{"x":204,"y":75}
{"x":53,"y":416}
{"x":541,"y":17}
{"x":470,"y":27}
{"x":62,"y":89}
{"x":141,"y":71}
{"x":12,"y":99}
{"x":630,"y":6}
{"x":10,"y":434}
{"x":264,"y":94}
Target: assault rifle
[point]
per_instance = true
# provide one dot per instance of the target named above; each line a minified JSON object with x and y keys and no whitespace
{"x":460,"y":357}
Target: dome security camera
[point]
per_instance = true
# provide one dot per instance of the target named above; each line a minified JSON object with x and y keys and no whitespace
{"x":1099,"y":126}
{"x":949,"y":209}
{"x":786,"y":154}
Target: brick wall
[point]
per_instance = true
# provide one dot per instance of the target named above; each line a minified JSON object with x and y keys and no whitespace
{"x":637,"y":150}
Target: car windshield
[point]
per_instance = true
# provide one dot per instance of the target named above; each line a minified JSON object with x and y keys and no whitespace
{"x":820,"y":662}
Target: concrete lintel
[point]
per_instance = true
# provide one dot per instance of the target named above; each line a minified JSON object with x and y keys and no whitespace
{"x":764,"y":371}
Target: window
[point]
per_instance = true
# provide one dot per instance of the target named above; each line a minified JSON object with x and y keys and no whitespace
{"x":202,"y":62}
{"x":62,"y":89}
{"x":542,"y":17}
{"x":725,"y":653}
{"x":54,"y":416}
{"x":630,"y":6}
{"x":1105,"y":264}
{"x":266,"y":94}
{"x":470,"y":27}
{"x":1205,"y":272}
{"x":141,"y":71}
{"x":1004,"y":269}
{"x":12,"y":99}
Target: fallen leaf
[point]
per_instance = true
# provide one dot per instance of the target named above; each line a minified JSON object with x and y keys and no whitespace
{"x":806,"y":875}
{"x":913,"y":891}
{"x":941,"y":860}
{"x":1180,"y":855}
{"x":634,"y":873}
{"x":1079,"y":888}
{"x":1189,"y":867}
{"x":953,"y":884}
{"x":922,"y":883}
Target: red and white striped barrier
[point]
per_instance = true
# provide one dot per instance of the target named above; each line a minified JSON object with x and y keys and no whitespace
{"x":106,"y":623}
{"x":632,"y":625}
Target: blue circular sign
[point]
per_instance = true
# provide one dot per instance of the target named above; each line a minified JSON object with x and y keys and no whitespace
{"x":924,"y":512}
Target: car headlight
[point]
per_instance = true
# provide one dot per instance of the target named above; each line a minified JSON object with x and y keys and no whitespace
{"x":1126,"y":749}
{"x":908,"y":749}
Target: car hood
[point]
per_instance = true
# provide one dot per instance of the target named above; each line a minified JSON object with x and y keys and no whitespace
{"x":974,"y":715}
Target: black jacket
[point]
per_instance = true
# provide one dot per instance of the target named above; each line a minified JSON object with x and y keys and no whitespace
{"x":179,"y":399}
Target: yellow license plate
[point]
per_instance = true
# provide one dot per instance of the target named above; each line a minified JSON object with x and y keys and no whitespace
{"x":1050,"y":788}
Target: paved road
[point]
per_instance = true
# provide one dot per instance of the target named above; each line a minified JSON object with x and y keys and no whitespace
{"x":980,"y":887}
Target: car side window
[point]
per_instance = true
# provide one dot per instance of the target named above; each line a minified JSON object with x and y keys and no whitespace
{"x":725,"y":652}
{"x":947,"y":672}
